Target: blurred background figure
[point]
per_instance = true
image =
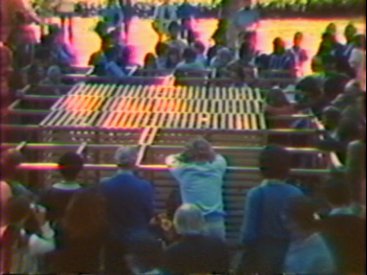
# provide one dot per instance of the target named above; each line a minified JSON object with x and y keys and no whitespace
{"x":164,"y":14}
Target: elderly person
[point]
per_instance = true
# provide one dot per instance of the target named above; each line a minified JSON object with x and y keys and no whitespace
{"x":199,"y":172}
{"x":129,"y":208}
{"x":264,"y":233}
{"x":195,"y":252}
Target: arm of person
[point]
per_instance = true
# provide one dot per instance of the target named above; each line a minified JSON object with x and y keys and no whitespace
{"x":44,"y":243}
{"x":250,"y":227}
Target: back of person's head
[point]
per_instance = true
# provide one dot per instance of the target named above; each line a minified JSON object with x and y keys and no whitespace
{"x":199,"y":149}
{"x":161,"y":49}
{"x":188,"y":220}
{"x":360,"y":41}
{"x":274,"y":162}
{"x":189,"y":55}
{"x":85,"y":215}
{"x":10,"y":161}
{"x":70,"y":164}
{"x":278,"y":45}
{"x":149,"y":61}
{"x":309,"y":86}
{"x":331,"y":28}
{"x":301,"y":211}
{"x":350,"y":31}
{"x":54,"y":73}
{"x":224,"y":54}
{"x":16,"y":210}
{"x":174,"y":28}
{"x":126,"y":157}
{"x":337,"y":192}
{"x":276,"y":98}
{"x":331,"y":117}
{"x":199,"y":47}
{"x":298,"y":38}
{"x":245,"y":50}
{"x":334,"y":85}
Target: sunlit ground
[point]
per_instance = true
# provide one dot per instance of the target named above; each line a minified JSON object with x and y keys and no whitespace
{"x":142,"y":38}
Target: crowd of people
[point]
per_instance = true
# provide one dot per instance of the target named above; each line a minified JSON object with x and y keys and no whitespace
{"x":112,"y":227}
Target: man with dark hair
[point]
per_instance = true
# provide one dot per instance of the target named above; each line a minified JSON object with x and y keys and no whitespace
{"x":129,"y":208}
{"x":56,"y":198}
{"x":264,"y":234}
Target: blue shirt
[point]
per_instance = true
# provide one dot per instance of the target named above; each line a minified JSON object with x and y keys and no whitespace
{"x":264,"y":210}
{"x":200,"y":183}
{"x":129,"y":203}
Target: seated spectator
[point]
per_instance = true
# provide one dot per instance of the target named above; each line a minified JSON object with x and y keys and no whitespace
{"x":173,"y":37}
{"x":331,"y":28}
{"x":19,"y":250}
{"x":277,"y":104}
{"x":281,"y":63}
{"x":308,"y":252}
{"x":334,"y":86}
{"x":330,"y":119}
{"x":264,"y":234}
{"x":200,"y":52}
{"x":219,"y":39}
{"x":161,"y":50}
{"x":62,"y":52}
{"x":349,"y":97}
{"x":299,"y":54}
{"x":111,"y":63}
{"x":189,"y":61}
{"x":310,"y":95}
{"x":347,"y":131}
{"x":84,"y":228}
{"x":199,"y":172}
{"x":98,"y":59}
{"x":173,"y":58}
{"x":150,"y":62}
{"x":221,"y":61}
{"x":357,"y":59}
{"x":57,"y":197}
{"x":53,"y":77}
{"x":195,"y":252}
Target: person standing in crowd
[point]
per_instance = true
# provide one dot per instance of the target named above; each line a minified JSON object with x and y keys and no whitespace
{"x":308,"y":252}
{"x":244,"y":20}
{"x":343,"y":52}
{"x":79,"y":248}
{"x":199,"y":172}
{"x":113,"y":15}
{"x":280,"y":63}
{"x":66,"y":9}
{"x":8,"y":10}
{"x":195,"y":252}
{"x":173,"y":37}
{"x":299,"y":55}
{"x":186,"y":13}
{"x":129,"y":208}
{"x":56,"y":198}
{"x":357,"y":59}
{"x":164,"y":14}
{"x":264,"y":232}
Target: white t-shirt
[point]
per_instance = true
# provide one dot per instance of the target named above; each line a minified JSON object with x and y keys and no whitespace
{"x":357,"y":61}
